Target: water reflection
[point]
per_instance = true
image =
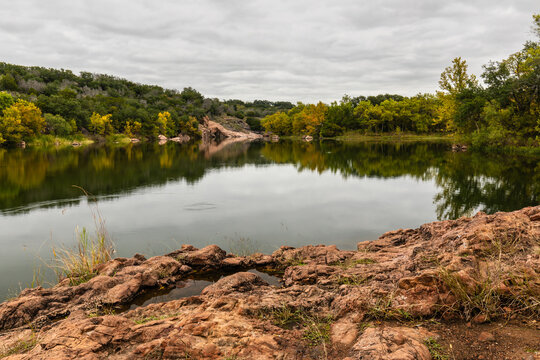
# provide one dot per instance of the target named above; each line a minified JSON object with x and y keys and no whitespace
{"x":466,"y":182}
{"x":155,"y":198}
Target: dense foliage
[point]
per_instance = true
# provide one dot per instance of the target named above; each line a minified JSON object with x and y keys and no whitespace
{"x":105,"y":105}
{"x":506,"y":111}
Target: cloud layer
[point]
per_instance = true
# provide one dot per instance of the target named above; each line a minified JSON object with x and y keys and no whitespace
{"x":266,"y":49}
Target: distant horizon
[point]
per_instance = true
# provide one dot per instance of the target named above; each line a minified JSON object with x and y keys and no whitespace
{"x":276,"y":51}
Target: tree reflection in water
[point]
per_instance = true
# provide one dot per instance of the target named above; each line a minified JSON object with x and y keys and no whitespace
{"x":466,"y":181}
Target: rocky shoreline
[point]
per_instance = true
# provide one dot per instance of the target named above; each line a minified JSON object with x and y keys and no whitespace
{"x":456,"y":289}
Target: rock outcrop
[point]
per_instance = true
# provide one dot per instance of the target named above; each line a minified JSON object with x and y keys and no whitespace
{"x":411,"y":294}
{"x":212,"y":131}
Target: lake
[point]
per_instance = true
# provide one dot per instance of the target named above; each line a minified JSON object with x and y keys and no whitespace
{"x":254,"y":196}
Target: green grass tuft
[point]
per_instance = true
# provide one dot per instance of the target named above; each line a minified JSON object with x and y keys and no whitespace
{"x":383,"y":309}
{"x":435,"y":349}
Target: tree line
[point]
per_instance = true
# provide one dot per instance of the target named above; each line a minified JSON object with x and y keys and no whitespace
{"x":37,"y":100}
{"x":503,"y":111}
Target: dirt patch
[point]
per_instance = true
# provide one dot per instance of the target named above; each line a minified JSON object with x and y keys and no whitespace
{"x":499,"y":340}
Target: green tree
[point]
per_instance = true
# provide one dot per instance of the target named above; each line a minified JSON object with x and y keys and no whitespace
{"x":278,"y":123}
{"x":455,"y":79}
{"x":57,"y":125}
{"x":8,"y":82}
{"x":6,"y":100}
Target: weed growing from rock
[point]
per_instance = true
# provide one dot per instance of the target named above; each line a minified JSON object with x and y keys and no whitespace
{"x":316,"y":328}
{"x":296,"y":260}
{"x":497,"y":293}
{"x":363,"y":326}
{"x":435,"y":349}
{"x":383,"y":309}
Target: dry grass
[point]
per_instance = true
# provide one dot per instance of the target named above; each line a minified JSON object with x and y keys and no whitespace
{"x":79,"y":264}
{"x":504,"y":246}
{"x":242,"y":247}
{"x":502,"y":287}
{"x":498,"y":293}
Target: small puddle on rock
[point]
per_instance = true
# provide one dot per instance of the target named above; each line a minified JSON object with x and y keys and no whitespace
{"x":190,"y":287}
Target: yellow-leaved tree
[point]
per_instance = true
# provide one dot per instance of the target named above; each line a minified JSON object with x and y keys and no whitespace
{"x":309,"y":120}
{"x":21,"y":121}
{"x":278,"y":123}
{"x":165,"y":124}
{"x":101,"y":125}
{"x":132,"y":129}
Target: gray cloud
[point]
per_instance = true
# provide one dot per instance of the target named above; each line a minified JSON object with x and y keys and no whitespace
{"x":280,"y":50}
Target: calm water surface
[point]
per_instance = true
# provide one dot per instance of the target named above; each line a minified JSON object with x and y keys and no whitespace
{"x":259,"y":195}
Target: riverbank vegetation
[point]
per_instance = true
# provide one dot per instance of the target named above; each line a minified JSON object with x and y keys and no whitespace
{"x":37,"y":101}
{"x":505,"y":111}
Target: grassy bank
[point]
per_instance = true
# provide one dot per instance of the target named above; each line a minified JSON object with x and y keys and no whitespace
{"x":47,"y":141}
{"x":355,"y":136}
{"x":393,"y":137}
{"x":50,"y":141}
{"x":117,"y":139}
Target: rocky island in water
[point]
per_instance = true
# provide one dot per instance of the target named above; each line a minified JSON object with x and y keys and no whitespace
{"x":455,"y":289}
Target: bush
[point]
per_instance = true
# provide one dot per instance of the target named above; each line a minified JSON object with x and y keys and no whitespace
{"x":329,"y":129}
{"x":254,"y":124}
{"x":493,"y":135}
{"x":21,"y":121}
{"x":6,"y":100}
{"x":57,"y":125}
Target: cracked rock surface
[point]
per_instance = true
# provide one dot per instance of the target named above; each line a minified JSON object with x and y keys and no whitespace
{"x":393,"y":298}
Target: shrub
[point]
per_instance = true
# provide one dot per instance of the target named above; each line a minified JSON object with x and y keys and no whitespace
{"x":57,"y":125}
{"x":329,"y":129}
{"x":254,"y":124}
{"x":21,"y":121}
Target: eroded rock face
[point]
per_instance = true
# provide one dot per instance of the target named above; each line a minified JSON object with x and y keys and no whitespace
{"x":212,"y":131}
{"x":333,"y":304}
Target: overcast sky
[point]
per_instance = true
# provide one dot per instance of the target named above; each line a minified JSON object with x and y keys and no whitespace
{"x":292,"y":50}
